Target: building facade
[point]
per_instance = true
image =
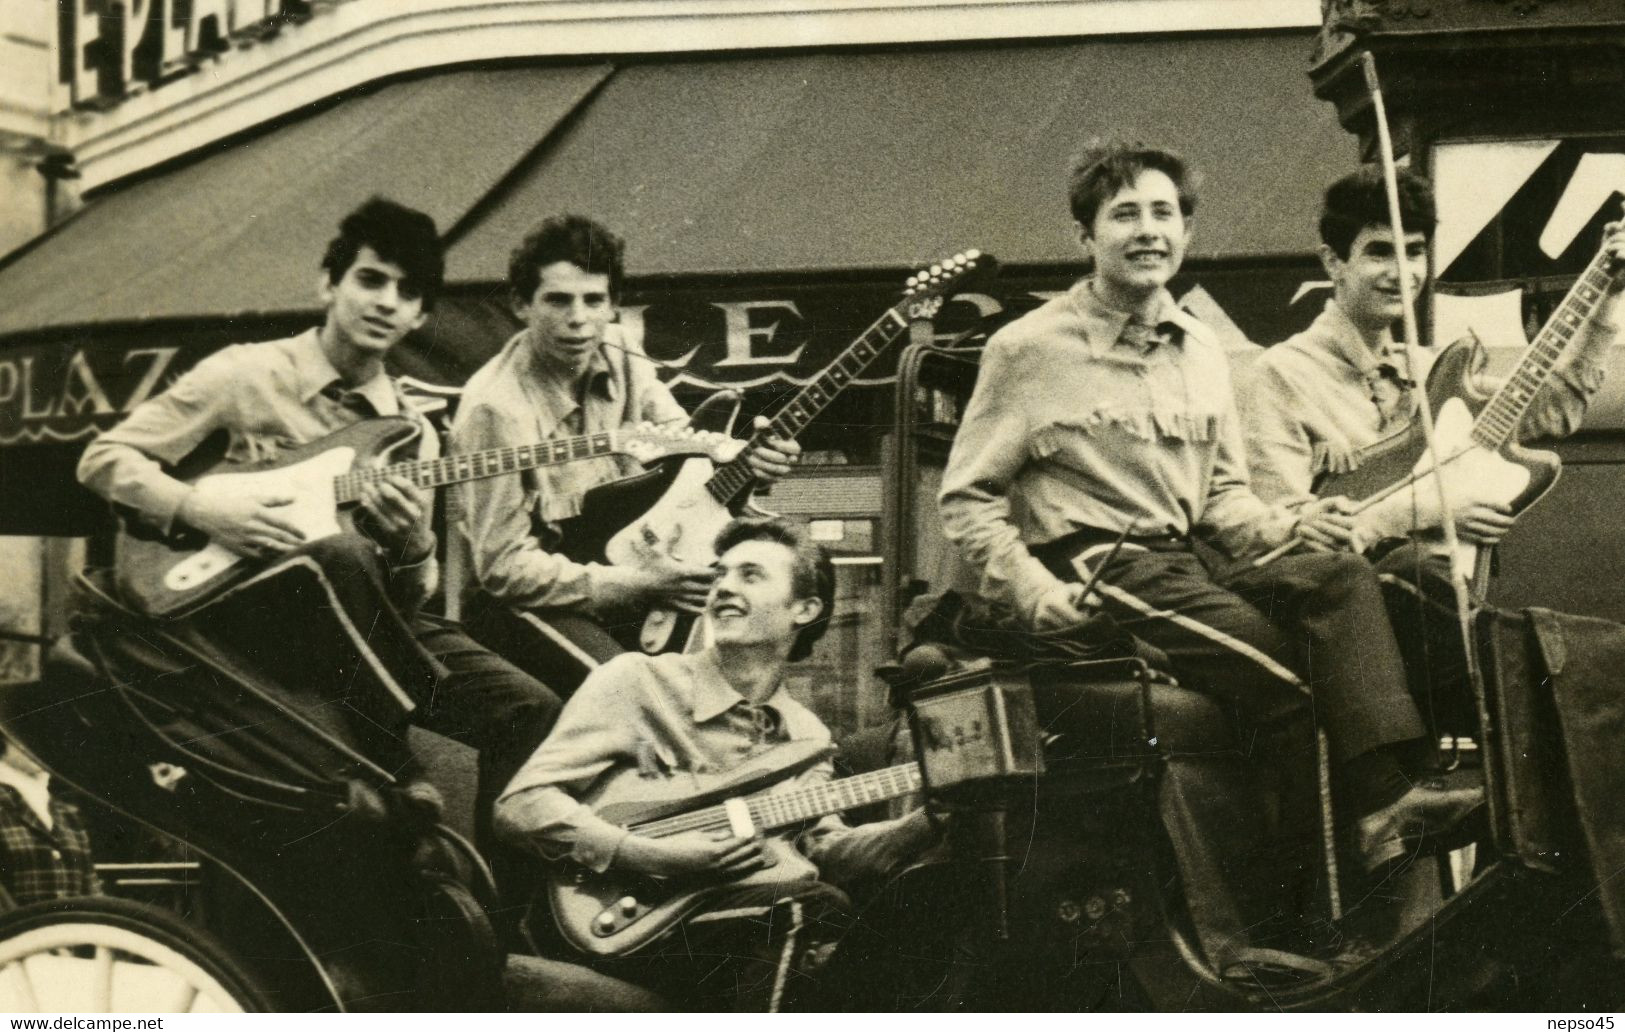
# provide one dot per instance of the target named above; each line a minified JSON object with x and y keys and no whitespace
{"x":778,"y":169}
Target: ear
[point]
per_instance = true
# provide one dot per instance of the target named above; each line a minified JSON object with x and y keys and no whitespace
{"x":324,"y":288}
{"x":422,"y":317}
{"x":1086,"y":242}
{"x":1330,"y":262}
{"x":804,"y":611}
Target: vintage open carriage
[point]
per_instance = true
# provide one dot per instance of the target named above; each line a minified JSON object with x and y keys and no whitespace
{"x":1115,"y":844}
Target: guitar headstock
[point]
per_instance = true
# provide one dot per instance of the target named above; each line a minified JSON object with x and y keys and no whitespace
{"x":927,"y":289}
{"x":647,"y":443}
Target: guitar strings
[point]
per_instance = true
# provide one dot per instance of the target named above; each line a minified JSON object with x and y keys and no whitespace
{"x":778,"y":808}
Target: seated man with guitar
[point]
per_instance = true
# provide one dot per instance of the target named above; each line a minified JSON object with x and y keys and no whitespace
{"x":282,"y":574}
{"x":1102,"y":437}
{"x":531,"y":596}
{"x":1333,"y":410}
{"x":624,"y":795}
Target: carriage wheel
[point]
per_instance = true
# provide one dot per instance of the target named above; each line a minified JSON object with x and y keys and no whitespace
{"x":98,"y":955}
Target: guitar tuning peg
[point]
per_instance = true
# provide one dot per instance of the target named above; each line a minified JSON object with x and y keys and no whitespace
{"x":972,"y":255}
{"x":959,"y":259}
{"x":936,"y":270}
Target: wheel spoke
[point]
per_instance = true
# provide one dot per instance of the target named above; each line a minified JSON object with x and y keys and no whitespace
{"x":103,"y":982}
{"x":186,"y":996}
{"x":26,"y":1002}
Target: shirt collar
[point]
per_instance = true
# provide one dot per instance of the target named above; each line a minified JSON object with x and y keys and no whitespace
{"x":34,"y":789}
{"x":316,"y":373}
{"x":1338,"y":334}
{"x":714,"y":696}
{"x":1103,"y":325}
{"x":557,"y":393}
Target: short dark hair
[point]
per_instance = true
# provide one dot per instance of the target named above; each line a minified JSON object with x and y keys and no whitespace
{"x":397,"y":234}
{"x":1360,"y":199}
{"x":566,"y":238}
{"x":812,"y":574}
{"x":1103,"y":167}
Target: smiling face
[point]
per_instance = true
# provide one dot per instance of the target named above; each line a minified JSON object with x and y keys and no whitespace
{"x":1366,"y":283}
{"x":371,"y":308}
{"x":753,"y":598}
{"x":1138,"y":237}
{"x":566,"y":315}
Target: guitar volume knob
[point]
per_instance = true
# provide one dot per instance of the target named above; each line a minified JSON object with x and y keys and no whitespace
{"x":604,"y":923}
{"x":628,"y":906}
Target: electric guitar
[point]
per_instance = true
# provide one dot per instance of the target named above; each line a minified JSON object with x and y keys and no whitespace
{"x":166,"y":574}
{"x":678,"y":509}
{"x":613,"y":914}
{"x":1476,"y":436}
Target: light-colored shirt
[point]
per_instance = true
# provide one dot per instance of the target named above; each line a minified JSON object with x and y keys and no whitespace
{"x":506,"y":528}
{"x":1311,"y":403}
{"x":266,"y":398}
{"x":1082,"y":418}
{"x":33,"y":789}
{"x":674,"y":716}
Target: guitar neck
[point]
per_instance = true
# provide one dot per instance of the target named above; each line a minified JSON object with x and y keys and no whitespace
{"x":455,"y":469}
{"x":1499,"y":420}
{"x":734,"y":476}
{"x":771,"y":810}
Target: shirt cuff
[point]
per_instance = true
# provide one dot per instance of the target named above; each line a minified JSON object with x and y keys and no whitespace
{"x":595,"y":846}
{"x":613,"y":589}
{"x":164,"y":500}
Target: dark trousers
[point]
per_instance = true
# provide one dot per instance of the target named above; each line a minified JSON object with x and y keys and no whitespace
{"x":1256,"y":639}
{"x":760,"y":948}
{"x":1422,"y":607}
{"x":555,"y":645}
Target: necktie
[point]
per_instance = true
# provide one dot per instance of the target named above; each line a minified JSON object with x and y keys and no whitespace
{"x":351,"y":401}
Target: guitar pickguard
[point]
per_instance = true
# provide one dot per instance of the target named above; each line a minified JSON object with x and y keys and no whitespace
{"x":314,"y":511}
{"x":682,"y":525}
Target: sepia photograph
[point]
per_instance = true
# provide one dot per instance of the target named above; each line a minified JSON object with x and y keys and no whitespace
{"x":899,"y":507}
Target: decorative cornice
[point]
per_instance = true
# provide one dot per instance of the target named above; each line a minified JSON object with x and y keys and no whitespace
{"x":360,"y":41}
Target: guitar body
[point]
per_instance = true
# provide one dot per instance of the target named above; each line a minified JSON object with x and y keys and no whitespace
{"x":1510,"y":475}
{"x":609,"y":508}
{"x":168,"y":574}
{"x":614,"y":914}
{"x":667,"y":511}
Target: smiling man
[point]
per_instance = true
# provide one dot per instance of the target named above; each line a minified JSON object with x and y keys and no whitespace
{"x":1108,"y":411}
{"x":1314,"y":401}
{"x":570,"y":371}
{"x":339,"y":615}
{"x":647,"y":720}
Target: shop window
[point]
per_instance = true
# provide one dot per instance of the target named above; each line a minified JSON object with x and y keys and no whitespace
{"x":21,"y":608}
{"x":838,"y":681}
{"x":37,"y":574}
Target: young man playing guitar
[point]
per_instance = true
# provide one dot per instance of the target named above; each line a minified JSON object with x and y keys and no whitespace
{"x":1315,"y":404}
{"x":377,"y":279}
{"x":567,"y":372}
{"x":641,"y":720}
{"x":1108,"y":412}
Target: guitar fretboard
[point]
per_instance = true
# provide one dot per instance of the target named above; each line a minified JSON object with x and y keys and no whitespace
{"x":455,"y":469}
{"x":771,"y":810}
{"x":727,"y":482}
{"x":1499,"y":420}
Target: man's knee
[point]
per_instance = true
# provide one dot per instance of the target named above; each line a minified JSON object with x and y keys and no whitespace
{"x":1339,"y":574}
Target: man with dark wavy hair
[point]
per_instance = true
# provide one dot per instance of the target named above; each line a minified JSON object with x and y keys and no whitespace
{"x":638,"y":719}
{"x":390,"y":663}
{"x":570,"y":371}
{"x":1313,"y":403}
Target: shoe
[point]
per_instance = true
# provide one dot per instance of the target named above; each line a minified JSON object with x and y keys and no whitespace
{"x":1431,"y":818}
